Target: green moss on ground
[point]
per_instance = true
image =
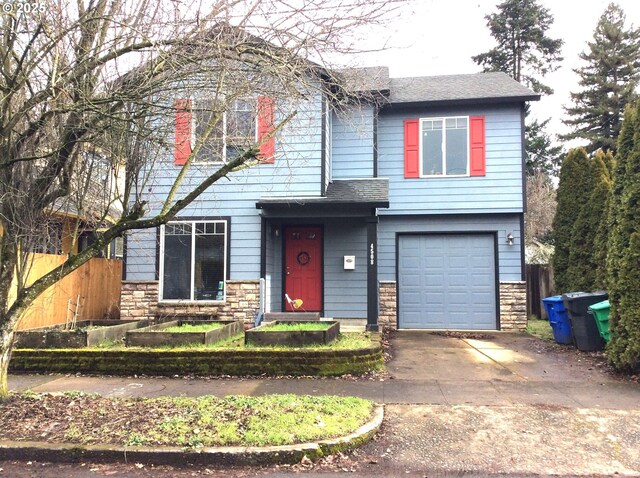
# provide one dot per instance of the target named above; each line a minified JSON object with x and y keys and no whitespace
{"x":350,"y":354}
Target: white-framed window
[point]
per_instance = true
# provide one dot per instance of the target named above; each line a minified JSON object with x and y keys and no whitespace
{"x":444,"y":146}
{"x":234,"y":132}
{"x":193,"y":260}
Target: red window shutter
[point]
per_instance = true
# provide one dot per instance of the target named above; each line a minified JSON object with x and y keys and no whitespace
{"x":477,"y":145}
{"x":411,"y":148}
{"x":182,"y":132}
{"x":266,"y":120}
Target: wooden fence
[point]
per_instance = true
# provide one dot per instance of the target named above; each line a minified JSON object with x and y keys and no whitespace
{"x":539,"y":285}
{"x":92,"y":292}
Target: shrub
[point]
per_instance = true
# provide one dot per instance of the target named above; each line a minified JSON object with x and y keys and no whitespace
{"x":624,"y":251}
{"x":573,"y":193}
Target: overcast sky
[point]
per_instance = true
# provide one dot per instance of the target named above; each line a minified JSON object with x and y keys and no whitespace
{"x":438,"y":37}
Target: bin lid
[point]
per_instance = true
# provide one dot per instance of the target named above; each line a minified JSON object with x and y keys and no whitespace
{"x":552,"y":299}
{"x":600,"y":294}
{"x":574,"y":295}
{"x":600,"y":305}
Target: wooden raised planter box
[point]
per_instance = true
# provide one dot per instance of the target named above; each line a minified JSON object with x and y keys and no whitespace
{"x":154,"y":336}
{"x":88,"y":333}
{"x":263,"y":336}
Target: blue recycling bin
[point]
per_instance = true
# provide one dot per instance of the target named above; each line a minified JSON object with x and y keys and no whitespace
{"x":558,"y":319}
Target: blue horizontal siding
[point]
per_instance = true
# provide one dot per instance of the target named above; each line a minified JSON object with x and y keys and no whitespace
{"x":296,"y":172}
{"x":352,"y":143}
{"x":141,"y":254}
{"x":345,"y":292}
{"x":509,"y":262}
{"x":499,"y":190}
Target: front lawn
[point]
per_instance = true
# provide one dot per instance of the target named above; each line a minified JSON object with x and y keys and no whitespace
{"x":83,"y":419}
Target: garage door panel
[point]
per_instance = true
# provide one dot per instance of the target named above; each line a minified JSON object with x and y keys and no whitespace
{"x":447,"y":281}
{"x":458,"y":280}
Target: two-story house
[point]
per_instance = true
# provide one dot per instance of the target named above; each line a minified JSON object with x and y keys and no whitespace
{"x":405,"y":208}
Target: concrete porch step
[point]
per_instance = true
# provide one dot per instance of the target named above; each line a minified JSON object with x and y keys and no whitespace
{"x":350,"y":325}
{"x":286,"y":316}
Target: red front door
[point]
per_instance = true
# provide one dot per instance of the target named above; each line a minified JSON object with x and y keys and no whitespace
{"x":303,"y":267}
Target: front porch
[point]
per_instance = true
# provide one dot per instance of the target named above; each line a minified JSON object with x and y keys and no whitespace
{"x":322,"y":251}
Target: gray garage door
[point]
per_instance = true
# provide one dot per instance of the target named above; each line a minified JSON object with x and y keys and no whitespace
{"x":447,"y":281}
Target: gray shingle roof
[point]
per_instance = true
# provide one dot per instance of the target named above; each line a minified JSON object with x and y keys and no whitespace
{"x":344,"y":192}
{"x":358,"y":190}
{"x":477,"y":86}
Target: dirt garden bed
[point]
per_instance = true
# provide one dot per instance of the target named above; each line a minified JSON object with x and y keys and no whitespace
{"x":182,"y":332}
{"x":85,"y":333}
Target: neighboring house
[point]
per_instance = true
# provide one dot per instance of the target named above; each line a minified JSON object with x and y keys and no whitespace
{"x":68,"y":227}
{"x":405,"y":209}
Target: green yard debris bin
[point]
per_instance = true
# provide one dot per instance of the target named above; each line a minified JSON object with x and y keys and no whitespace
{"x":600,"y":312}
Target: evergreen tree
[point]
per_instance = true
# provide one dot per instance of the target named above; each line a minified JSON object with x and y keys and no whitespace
{"x":583,"y":256}
{"x":602,"y":193}
{"x":617,"y":241}
{"x":573,"y":192}
{"x":624,"y":255}
{"x":526,"y":54}
{"x":608,"y":82}
{"x":541,"y":155}
{"x":524,"y":50}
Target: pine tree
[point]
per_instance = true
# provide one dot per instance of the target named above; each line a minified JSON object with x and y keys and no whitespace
{"x":624,"y":255}
{"x":526,"y":54}
{"x":524,"y":50}
{"x":583,"y":257}
{"x":573,"y":192}
{"x":608,"y":82}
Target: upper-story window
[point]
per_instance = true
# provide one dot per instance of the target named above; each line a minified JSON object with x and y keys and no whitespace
{"x":445,"y":146}
{"x":232,"y":134}
{"x":245,"y":123}
{"x":450,"y":146}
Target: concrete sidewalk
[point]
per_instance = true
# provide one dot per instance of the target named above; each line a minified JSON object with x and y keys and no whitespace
{"x":495,"y":370}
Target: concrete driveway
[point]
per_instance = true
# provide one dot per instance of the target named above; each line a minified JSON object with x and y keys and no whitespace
{"x":502,"y":369}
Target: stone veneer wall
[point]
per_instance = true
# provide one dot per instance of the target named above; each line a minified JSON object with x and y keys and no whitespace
{"x":140,"y":301}
{"x":387,"y":315}
{"x":513,"y":305}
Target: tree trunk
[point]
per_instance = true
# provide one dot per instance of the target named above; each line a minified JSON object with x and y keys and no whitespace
{"x":6,"y":339}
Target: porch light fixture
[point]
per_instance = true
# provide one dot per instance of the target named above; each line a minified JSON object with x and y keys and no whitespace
{"x":276,"y":231}
{"x":510,"y":239}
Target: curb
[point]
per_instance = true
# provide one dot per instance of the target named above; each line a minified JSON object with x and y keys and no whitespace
{"x":230,"y":456}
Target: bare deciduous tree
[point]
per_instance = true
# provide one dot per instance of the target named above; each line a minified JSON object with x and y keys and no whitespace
{"x":85,"y":91}
{"x":541,"y":207}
